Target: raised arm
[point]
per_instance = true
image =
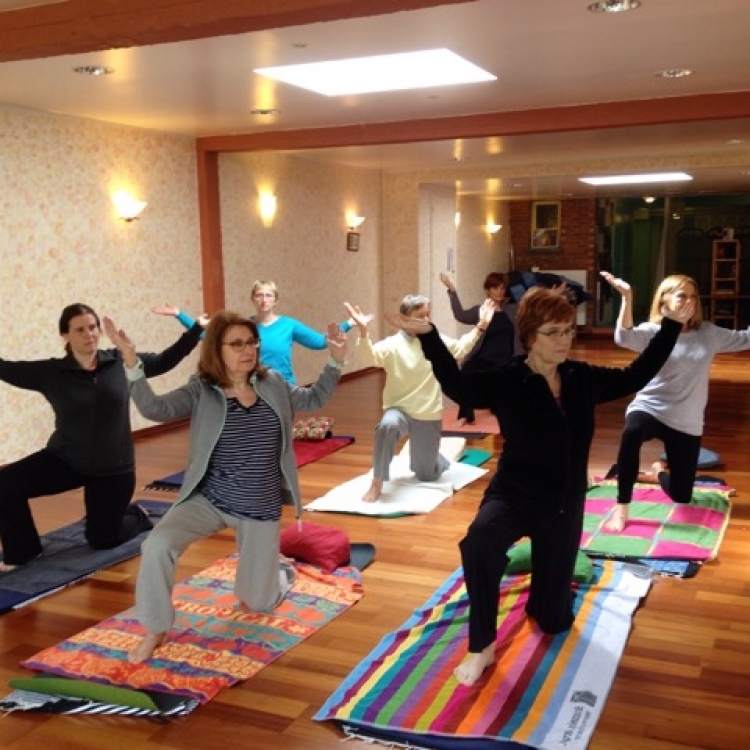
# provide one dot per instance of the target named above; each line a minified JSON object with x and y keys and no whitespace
{"x":625,"y":318}
{"x":159,"y":363}
{"x":468,"y":316}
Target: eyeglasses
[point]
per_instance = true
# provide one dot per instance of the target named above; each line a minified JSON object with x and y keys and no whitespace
{"x":559,"y":333}
{"x":238,"y":345}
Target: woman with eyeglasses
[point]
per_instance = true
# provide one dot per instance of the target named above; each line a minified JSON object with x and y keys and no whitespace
{"x":241,"y":465}
{"x":278,"y":333}
{"x":671,"y":406}
{"x":91,"y":445}
{"x":545,"y":404}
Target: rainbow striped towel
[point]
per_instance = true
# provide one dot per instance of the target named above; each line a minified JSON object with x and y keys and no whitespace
{"x":544,"y":692}
{"x":657,"y":528}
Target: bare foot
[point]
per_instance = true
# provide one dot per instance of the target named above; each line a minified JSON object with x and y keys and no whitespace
{"x":145,"y":649}
{"x":471,"y":668}
{"x":374,"y":492}
{"x":619,"y":518}
{"x":657,"y":468}
{"x":5,"y":568}
{"x":461,"y":422}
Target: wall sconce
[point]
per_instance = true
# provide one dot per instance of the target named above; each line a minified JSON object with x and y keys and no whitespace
{"x":267,"y":208}
{"x":493,"y":228}
{"x":127,"y":207}
{"x":352,"y":237}
{"x":649,"y":198}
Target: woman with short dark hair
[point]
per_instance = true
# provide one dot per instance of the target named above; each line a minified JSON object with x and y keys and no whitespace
{"x":545,"y":405}
{"x":499,"y":341}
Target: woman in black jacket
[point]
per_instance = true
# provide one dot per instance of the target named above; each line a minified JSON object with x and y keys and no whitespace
{"x":91,"y":445}
{"x":544,"y":404}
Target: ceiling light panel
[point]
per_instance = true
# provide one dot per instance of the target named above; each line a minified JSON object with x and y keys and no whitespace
{"x":636,"y":179}
{"x":366,"y":75}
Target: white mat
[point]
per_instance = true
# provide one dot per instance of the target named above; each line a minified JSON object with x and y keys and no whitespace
{"x":403,"y":494}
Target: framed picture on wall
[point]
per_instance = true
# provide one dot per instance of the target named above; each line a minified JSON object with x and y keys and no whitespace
{"x":545,"y":225}
{"x":352,"y":241}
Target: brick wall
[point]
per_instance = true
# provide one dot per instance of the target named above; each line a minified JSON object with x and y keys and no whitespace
{"x":577,"y":248}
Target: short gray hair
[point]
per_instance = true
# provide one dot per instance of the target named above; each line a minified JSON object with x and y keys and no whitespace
{"x":412,"y":302}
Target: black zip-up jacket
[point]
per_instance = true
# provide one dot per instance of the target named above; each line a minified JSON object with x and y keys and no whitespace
{"x":545,"y":456}
{"x":92,"y":408}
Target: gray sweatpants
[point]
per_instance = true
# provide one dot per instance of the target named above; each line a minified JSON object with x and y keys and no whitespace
{"x":426,"y":461}
{"x":262,"y":581}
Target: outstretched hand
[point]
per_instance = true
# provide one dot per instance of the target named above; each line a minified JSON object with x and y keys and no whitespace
{"x":617,"y":284}
{"x":122,"y":341}
{"x":165,"y":309}
{"x":486,"y":311}
{"x":360,"y":319}
{"x":407,"y":324}
{"x":448,"y":281}
{"x":336,"y":341}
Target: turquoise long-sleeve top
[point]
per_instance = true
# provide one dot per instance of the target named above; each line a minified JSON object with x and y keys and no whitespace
{"x":277,"y":339}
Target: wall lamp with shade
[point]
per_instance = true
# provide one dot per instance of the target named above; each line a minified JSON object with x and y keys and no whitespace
{"x":352,"y":236}
{"x":127,"y":207}
{"x":493,"y":228}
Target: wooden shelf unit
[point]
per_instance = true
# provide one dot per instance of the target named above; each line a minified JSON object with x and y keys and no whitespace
{"x":725,"y":283}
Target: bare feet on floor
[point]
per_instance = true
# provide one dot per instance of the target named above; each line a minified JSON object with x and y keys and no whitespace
{"x":471,"y":668}
{"x":5,"y":568}
{"x":619,"y":518}
{"x":145,"y":649}
{"x":374,"y":492}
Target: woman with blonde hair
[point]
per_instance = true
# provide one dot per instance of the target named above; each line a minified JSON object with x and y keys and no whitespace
{"x":671,"y":406}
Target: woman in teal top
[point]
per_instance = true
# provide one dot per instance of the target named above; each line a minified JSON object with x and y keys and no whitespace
{"x":278,"y":333}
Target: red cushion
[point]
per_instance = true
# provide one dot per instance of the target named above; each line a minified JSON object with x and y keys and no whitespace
{"x":324,"y":546}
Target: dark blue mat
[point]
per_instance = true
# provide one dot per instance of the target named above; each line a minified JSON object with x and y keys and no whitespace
{"x":67,"y":558}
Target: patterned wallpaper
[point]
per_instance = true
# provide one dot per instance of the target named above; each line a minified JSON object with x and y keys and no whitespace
{"x":60,"y":242}
{"x":304,"y":249}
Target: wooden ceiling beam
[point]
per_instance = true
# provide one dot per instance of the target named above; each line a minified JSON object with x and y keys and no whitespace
{"x":553,"y":120}
{"x":79,"y":26}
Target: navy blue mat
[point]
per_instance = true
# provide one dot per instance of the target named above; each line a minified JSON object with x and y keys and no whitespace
{"x":67,"y":558}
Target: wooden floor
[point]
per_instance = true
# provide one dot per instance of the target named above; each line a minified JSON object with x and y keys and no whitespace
{"x":684,"y":681}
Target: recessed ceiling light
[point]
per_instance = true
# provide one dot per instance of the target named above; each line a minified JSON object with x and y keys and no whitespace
{"x":674,"y":73}
{"x":734,"y":142}
{"x":614,"y":6}
{"x":94,"y":70}
{"x":636,"y":179}
{"x":265,"y":112}
{"x":365,"y":75}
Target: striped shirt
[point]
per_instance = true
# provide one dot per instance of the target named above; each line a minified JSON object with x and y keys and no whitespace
{"x":243,"y":477}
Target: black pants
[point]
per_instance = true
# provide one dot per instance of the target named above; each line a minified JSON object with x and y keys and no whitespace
{"x":106,"y":499}
{"x":471,"y":365}
{"x":682,"y":452}
{"x":555,"y":538}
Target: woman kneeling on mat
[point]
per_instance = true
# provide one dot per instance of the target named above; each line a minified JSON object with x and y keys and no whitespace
{"x":544,"y":404}
{"x":92,"y":444}
{"x":241,"y":465}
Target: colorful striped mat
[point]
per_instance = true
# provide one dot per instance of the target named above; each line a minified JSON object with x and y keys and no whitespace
{"x":544,"y":692}
{"x":657,"y":528}
{"x":213,"y":644}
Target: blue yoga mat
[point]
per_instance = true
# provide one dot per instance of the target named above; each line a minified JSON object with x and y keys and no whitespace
{"x":67,"y":558}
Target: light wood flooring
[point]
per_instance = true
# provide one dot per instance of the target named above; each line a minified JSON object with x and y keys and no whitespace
{"x":683,"y":683}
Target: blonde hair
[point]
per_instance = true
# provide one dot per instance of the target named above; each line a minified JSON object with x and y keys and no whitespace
{"x":261,"y":284}
{"x":668,"y":286}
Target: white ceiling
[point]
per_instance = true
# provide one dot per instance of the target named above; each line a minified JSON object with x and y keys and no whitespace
{"x":545,"y":54}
